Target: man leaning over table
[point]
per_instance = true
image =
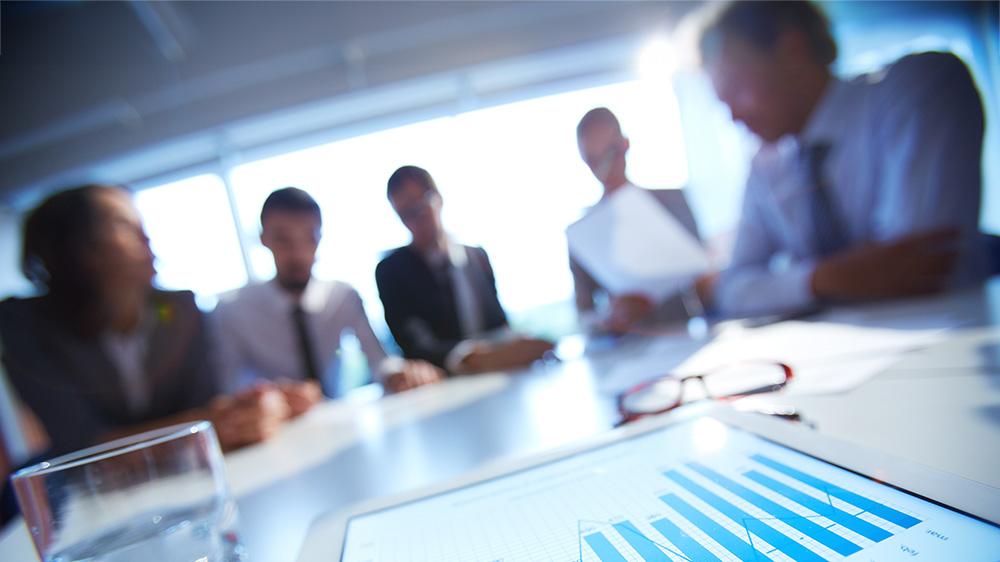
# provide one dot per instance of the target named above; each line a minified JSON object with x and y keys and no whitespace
{"x":862,"y":189}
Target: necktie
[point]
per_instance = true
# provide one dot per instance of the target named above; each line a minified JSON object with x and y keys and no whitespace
{"x":828,"y":233}
{"x":309,"y":366}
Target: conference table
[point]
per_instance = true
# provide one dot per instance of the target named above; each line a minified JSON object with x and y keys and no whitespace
{"x":936,"y":403}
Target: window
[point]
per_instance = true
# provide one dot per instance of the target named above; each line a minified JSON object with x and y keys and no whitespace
{"x":190,"y":227}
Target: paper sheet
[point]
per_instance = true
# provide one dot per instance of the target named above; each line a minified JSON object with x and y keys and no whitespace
{"x":827,"y":357}
{"x":630,"y":244}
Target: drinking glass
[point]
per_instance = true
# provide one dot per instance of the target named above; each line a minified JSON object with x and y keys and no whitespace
{"x":157,"y":496}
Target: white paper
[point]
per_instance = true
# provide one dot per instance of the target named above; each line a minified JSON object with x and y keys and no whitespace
{"x":826,"y":357}
{"x":662,"y":357}
{"x":631,"y":244}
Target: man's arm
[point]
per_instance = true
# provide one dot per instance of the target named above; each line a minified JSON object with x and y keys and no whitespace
{"x":414,"y":336}
{"x":749,"y":287}
{"x":370,"y":344}
{"x":227,"y":357}
{"x":584,"y":287}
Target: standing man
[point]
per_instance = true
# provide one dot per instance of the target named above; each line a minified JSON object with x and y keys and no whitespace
{"x":862,"y":189}
{"x":289,"y":328}
{"x":440,"y":297}
{"x":603,"y":148}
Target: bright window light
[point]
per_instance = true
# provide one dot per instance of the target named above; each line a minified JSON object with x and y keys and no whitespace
{"x":657,"y":60}
{"x":192,"y":235}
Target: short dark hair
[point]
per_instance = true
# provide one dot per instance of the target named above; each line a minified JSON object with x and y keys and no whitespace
{"x":595,"y":116}
{"x":410,"y":173}
{"x":762,"y":22}
{"x":290,"y":200}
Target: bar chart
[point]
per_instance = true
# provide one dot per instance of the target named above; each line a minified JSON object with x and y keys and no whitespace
{"x":762,"y":527}
{"x":685,"y":494}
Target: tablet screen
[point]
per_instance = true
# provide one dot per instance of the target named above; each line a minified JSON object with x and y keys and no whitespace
{"x":697,"y":491}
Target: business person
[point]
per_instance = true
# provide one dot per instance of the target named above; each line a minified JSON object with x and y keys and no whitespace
{"x":101,"y":353}
{"x":603,"y":147}
{"x":862,"y":189}
{"x":440,"y":297}
{"x":288,"y":329}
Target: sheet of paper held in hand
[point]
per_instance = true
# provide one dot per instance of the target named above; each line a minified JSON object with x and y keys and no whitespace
{"x":631,"y":244}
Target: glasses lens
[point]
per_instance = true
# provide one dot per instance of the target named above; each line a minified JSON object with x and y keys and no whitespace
{"x":744,"y":378}
{"x":654,"y":398}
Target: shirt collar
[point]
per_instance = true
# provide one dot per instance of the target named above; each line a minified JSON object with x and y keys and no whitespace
{"x":825,"y":119}
{"x":455,"y":253}
{"x":625,"y":186}
{"x":313,"y":298}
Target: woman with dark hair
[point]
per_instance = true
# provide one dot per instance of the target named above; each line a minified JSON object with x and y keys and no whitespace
{"x":102,"y":353}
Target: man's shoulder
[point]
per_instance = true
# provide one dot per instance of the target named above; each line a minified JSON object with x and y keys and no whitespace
{"x":394,"y":260}
{"x":928,"y":64}
{"x":175,"y":305}
{"x":668,"y":196}
{"x":18,"y":305}
{"x":245,"y":300}
{"x":18,"y":313}
{"x":930,"y":71}
{"x":179,"y":299}
{"x":241,"y":296}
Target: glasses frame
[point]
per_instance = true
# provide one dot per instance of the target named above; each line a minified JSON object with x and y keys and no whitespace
{"x":628,"y":416}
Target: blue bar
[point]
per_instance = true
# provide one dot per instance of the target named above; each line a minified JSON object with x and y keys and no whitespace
{"x":883,"y":511}
{"x":719,"y":534}
{"x":646,"y":548}
{"x":797,"y":551}
{"x":817,"y":532}
{"x":603,"y":548}
{"x":839,"y":516}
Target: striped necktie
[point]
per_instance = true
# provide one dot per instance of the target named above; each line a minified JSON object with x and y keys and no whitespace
{"x":827,"y":230}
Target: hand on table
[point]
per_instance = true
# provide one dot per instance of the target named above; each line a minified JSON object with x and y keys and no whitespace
{"x":413,"y":374}
{"x":301,"y":396}
{"x":249,"y":417}
{"x":506,"y":355}
{"x":915,"y":265}
{"x":626,"y":311}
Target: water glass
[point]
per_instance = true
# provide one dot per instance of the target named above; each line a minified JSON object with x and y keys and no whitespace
{"x":157,"y":496}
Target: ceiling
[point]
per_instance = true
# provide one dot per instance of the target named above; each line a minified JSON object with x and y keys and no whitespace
{"x":88,"y":82}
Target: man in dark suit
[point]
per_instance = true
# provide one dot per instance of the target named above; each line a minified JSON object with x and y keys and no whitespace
{"x":603,"y":148}
{"x":440,"y":297}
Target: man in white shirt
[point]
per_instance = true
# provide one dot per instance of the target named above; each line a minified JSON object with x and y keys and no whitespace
{"x":862,"y":189}
{"x":603,"y":148}
{"x":289,"y":328}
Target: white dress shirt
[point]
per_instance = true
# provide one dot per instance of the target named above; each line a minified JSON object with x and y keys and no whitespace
{"x":256,"y":336}
{"x":127,"y":352}
{"x":905,"y":157}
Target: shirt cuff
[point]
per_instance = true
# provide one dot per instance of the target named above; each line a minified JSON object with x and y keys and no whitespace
{"x":453,"y":361}
{"x":797,"y":281}
{"x":388,"y":367}
{"x":743,"y":294}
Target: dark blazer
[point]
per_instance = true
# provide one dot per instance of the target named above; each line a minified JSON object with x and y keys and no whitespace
{"x":75,"y":389}
{"x":421,"y":311}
